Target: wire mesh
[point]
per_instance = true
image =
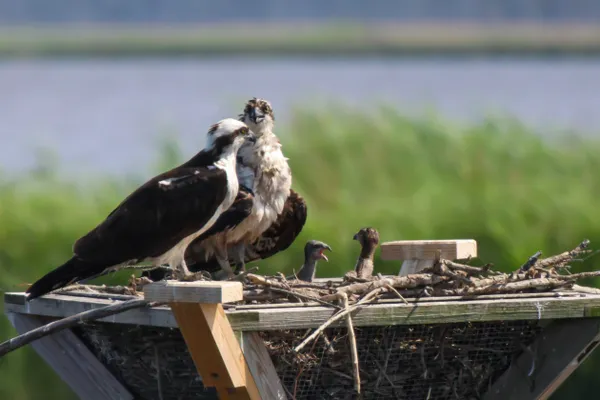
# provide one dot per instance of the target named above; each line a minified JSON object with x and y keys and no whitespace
{"x":441,"y":361}
{"x":153,"y":363}
{"x":444,"y":361}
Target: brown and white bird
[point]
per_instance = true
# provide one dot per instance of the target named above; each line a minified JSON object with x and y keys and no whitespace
{"x":369,"y":240}
{"x":267,"y":215}
{"x":157,"y":222}
{"x":313,"y":252}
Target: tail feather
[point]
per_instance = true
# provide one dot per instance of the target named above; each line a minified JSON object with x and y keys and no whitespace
{"x":70,"y":272}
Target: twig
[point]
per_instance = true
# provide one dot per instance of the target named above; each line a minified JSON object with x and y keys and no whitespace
{"x":337,"y":316}
{"x":73,"y":320}
{"x":442,"y":269}
{"x":468,"y":269}
{"x":397,"y":293}
{"x":565,"y":257}
{"x":304,"y":297}
{"x":122,"y":290}
{"x":398,"y":282}
{"x":241,"y":276}
{"x":353,"y":350}
{"x":508,"y":287}
{"x":584,"y":289}
{"x":581,"y":275}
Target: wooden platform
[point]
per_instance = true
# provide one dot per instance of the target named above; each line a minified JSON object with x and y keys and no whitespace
{"x":569,"y":321}
{"x":543,"y":306}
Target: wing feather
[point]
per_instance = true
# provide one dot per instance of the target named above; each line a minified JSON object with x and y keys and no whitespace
{"x":155,"y":217}
{"x":280,"y":235}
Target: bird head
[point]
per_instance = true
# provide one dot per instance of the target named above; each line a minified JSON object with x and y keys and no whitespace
{"x":258,"y":115}
{"x":228,"y":135}
{"x":367,"y":236}
{"x":313,"y":250}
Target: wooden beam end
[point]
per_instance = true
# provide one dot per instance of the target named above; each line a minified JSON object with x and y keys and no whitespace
{"x":455,"y":249}
{"x":206,"y":292}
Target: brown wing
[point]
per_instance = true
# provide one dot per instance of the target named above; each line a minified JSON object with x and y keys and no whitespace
{"x":280,"y":235}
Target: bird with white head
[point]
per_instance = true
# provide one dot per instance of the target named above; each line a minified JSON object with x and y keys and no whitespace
{"x":157,"y":222}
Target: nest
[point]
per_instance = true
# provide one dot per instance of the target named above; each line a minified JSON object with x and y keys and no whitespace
{"x":438,"y":361}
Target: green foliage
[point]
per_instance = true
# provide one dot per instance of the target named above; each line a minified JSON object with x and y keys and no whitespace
{"x":496,"y":182}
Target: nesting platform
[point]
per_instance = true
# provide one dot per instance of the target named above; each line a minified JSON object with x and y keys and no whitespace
{"x":206,"y":344}
{"x":518,"y":347}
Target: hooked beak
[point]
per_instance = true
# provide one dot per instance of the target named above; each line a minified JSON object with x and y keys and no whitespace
{"x":323,"y":256}
{"x":256,"y":115}
{"x":251,"y":137}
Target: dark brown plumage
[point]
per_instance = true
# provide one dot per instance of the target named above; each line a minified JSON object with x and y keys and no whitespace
{"x":152,"y":220}
{"x":369,"y":240}
{"x":280,"y":235}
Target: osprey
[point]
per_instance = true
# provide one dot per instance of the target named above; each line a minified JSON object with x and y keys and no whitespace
{"x":161,"y":218}
{"x":313,"y":252}
{"x":280,"y":235}
{"x":265,"y":186}
{"x":368,"y":239}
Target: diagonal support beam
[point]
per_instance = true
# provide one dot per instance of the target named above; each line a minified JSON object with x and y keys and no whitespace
{"x":538,"y":372}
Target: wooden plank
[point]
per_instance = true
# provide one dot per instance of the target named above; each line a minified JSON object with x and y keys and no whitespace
{"x":384,"y":313}
{"x":215,"y":350}
{"x":261,"y":366}
{"x":73,"y":362}
{"x":424,"y":313}
{"x":205,"y":292}
{"x":560,"y":349}
{"x":54,"y":305}
{"x":427,"y":249}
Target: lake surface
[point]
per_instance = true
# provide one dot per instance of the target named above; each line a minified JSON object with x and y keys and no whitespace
{"x":107,"y":115}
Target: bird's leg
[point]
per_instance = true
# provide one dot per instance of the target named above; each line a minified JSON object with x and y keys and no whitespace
{"x":223,"y":260}
{"x":182,"y":271}
{"x":224,"y":263}
{"x":239,"y":253}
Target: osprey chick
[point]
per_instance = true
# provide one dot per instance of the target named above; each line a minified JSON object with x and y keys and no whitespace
{"x":313,"y":252}
{"x":265,"y":184}
{"x":161,"y":218}
{"x":368,"y":239}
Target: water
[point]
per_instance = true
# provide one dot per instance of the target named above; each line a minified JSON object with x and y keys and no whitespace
{"x":107,"y":115}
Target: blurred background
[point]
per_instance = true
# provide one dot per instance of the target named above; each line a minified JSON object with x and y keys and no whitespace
{"x":427,"y":119}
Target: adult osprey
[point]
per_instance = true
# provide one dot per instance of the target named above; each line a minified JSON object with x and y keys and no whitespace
{"x":266,"y":216}
{"x":161,"y":218}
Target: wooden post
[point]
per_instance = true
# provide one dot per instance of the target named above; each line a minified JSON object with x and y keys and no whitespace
{"x":420,"y":254}
{"x":216,"y":352}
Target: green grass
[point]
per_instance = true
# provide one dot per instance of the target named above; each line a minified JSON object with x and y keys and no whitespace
{"x":497,"y":182}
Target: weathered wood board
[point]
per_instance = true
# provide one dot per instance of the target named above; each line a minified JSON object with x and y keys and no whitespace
{"x":73,"y":362}
{"x":454,"y":249}
{"x":385,"y":313}
{"x":206,"y":292}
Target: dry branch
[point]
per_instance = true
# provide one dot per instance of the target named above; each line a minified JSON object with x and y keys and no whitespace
{"x":361,"y":303}
{"x":397,"y":282}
